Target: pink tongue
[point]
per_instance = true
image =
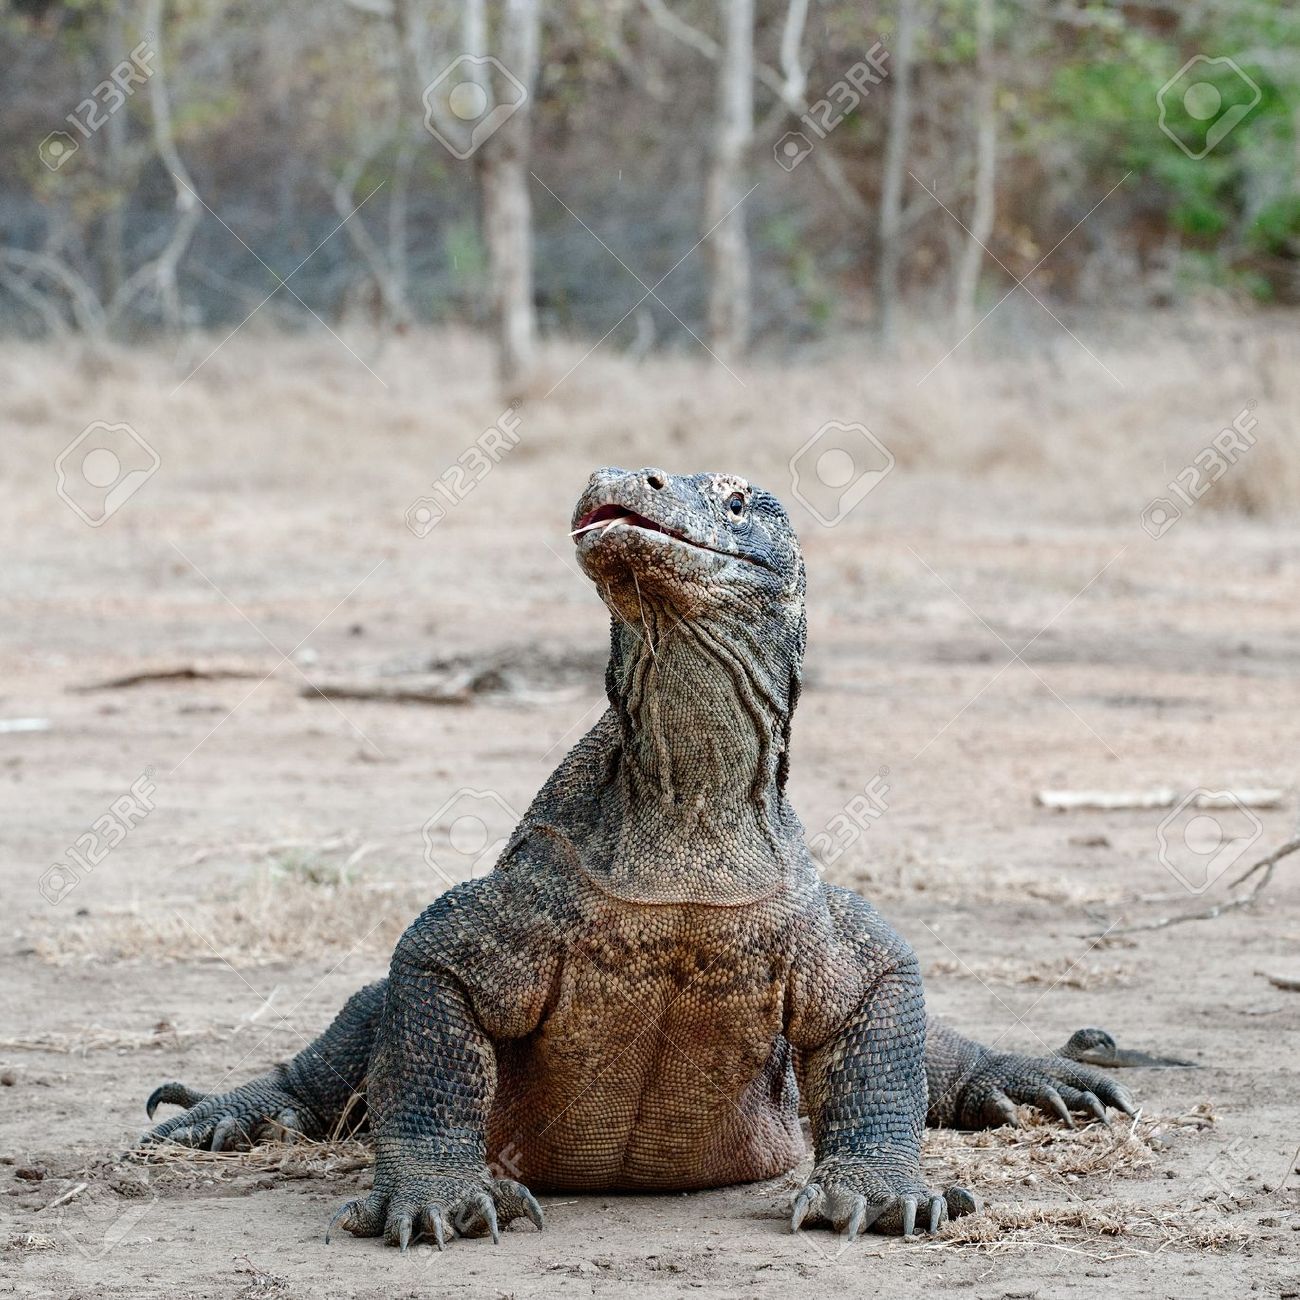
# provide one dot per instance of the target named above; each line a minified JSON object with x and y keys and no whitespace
{"x":601,"y":523}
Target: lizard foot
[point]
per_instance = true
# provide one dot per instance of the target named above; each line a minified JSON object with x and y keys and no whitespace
{"x":1055,"y":1085}
{"x":229,"y":1121}
{"x":855,"y":1195}
{"x":439,"y":1206}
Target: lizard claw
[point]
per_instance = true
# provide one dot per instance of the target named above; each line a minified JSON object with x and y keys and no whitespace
{"x":515,"y":1200}
{"x":803,"y":1203}
{"x":440,"y":1206}
{"x":432,"y":1222}
{"x":938,"y":1210}
{"x":1057,"y":1085}
{"x":229,"y":1135}
{"x":228,"y":1121}
{"x":909,"y":1216}
{"x":174,"y":1092}
{"x":855,"y":1195}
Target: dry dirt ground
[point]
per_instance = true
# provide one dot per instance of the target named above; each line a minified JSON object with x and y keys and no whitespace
{"x":990,"y":621}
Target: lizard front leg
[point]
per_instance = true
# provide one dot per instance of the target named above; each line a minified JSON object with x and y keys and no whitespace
{"x":457,"y":985}
{"x":862,"y":1030}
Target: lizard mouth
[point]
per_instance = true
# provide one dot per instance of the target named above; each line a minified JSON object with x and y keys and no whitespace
{"x":605,"y":517}
{"x":597,"y":523}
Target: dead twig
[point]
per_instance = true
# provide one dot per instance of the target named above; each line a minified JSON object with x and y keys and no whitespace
{"x":1265,"y":865}
{"x":71,"y":1194}
{"x":1139,"y":800}
{"x":180,"y":673}
{"x":431,"y":690}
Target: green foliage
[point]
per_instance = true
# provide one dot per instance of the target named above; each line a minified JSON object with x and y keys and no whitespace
{"x":1276,"y":230}
{"x":466,"y":260}
{"x":785,"y":237}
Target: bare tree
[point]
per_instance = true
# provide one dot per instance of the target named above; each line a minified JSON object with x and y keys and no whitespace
{"x":507,"y":205}
{"x":980,"y":226}
{"x":187,"y":200}
{"x":897,"y":142}
{"x":789,"y":86}
{"x":724,"y":210}
{"x":112,"y":234}
{"x":161,"y":274}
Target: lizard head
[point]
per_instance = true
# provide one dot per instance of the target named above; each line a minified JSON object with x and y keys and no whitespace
{"x":689,"y":546}
{"x":705,"y":581}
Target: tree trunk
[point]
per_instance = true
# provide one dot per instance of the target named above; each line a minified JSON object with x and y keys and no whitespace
{"x":986,"y":138}
{"x":896,"y":148}
{"x":166,"y":266}
{"x":112,"y":242}
{"x":724,"y":215}
{"x":507,"y":205}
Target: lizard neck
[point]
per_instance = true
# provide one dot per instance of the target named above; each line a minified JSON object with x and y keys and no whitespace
{"x":703,"y":720}
{"x":702,"y":715}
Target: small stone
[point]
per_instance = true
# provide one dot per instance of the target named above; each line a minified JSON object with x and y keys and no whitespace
{"x":32,"y":1173}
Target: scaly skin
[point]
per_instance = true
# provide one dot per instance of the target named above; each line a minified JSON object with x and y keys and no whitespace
{"x":654,"y":978}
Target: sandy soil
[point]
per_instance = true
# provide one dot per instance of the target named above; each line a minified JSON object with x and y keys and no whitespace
{"x":990,"y":621}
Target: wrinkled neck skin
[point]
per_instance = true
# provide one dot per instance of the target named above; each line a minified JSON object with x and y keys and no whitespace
{"x":703,"y":707}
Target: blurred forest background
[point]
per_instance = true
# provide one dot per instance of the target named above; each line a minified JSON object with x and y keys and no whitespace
{"x":847,"y":165}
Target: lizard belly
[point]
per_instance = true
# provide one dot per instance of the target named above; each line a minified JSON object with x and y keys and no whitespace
{"x":664,"y":1071}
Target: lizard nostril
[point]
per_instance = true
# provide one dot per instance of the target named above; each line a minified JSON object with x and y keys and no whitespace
{"x":654,"y":481}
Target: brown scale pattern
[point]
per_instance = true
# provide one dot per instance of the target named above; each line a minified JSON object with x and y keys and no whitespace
{"x":653,"y":980}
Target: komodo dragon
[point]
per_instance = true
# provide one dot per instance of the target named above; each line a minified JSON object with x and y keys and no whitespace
{"x":654,"y":978}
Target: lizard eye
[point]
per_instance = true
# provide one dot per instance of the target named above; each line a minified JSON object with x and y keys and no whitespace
{"x":736,"y":504}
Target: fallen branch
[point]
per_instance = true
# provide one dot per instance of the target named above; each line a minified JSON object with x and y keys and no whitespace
{"x":71,"y":1194}
{"x":441,"y":690}
{"x":1264,"y":865}
{"x":183,"y":673}
{"x":1123,"y":800}
{"x":1281,"y":981}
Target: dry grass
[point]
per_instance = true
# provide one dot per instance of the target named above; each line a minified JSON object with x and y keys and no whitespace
{"x":95,"y":1038}
{"x":1044,"y":1153}
{"x":1088,"y":1228}
{"x":293,"y":909}
{"x":1062,"y":972}
{"x":1038,"y":412}
{"x":1076,"y":1162}
{"x":1041,"y":1155}
{"x":938,"y":880}
{"x":28,"y":1243}
{"x":181,"y":1166}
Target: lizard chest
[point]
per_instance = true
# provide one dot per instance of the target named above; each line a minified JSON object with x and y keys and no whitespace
{"x":662,"y":1055}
